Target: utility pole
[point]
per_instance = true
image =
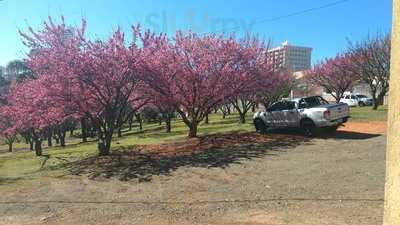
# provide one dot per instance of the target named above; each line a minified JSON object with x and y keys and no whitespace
{"x":392,"y":184}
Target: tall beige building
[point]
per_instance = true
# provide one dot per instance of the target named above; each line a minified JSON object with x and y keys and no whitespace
{"x":289,"y":56}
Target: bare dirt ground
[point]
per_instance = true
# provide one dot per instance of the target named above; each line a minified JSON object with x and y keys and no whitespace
{"x":241,"y":178}
{"x":373,"y":127}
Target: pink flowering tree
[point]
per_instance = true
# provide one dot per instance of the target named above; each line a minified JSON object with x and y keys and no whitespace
{"x":194,"y":73}
{"x":97,"y":80}
{"x":334,"y":75}
{"x":32,"y":110}
{"x":165,"y":108}
{"x":251,"y":75}
{"x":8,"y":133}
{"x":371,"y":63}
{"x":225,"y":109}
{"x":278,"y":85}
{"x":110,"y":85}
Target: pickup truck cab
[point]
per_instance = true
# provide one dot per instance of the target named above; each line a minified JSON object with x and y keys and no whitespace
{"x":308,"y":113}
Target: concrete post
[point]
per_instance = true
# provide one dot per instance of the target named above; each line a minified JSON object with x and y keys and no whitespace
{"x":392,"y":186}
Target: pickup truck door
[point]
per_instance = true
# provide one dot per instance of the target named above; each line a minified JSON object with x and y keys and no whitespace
{"x":267,"y":116}
{"x":277,"y":118}
{"x":290,"y":115}
{"x":274,"y":115}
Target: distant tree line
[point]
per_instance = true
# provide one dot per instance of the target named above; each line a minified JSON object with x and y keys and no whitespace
{"x":366,"y":61}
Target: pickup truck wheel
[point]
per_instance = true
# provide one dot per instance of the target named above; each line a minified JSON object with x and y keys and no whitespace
{"x":308,"y":128}
{"x":361,"y":104}
{"x":260,"y":126}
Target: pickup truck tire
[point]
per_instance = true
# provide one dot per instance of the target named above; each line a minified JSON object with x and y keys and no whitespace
{"x":361,"y":104}
{"x":308,"y":127}
{"x":260,"y":126}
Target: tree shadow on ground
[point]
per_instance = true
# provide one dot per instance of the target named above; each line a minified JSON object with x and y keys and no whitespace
{"x":212,"y":151}
{"x":230,"y":120}
{"x":19,"y":149}
{"x":9,"y":180}
{"x":339,"y":134}
{"x":348,"y":135}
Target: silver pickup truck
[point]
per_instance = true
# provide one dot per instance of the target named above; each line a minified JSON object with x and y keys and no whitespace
{"x":309,"y":114}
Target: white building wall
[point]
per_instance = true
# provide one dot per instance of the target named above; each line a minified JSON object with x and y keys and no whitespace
{"x":297,"y":58}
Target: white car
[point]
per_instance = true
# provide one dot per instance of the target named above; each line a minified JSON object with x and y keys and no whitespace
{"x":350,"y":100}
{"x":364,"y":100}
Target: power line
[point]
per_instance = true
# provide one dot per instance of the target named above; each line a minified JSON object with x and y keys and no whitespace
{"x":297,"y":13}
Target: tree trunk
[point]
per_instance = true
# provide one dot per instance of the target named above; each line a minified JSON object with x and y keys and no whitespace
{"x":84,"y":129}
{"x":38,"y":147}
{"x":71,"y":132}
{"x":49,"y":138}
{"x":139,"y":120}
{"x":130,"y":123}
{"x":104,"y":144}
{"x":375,"y":103}
{"x":119,"y":132}
{"x":206,"y":120}
{"x":223,"y":115}
{"x":57,"y":139}
{"x":37,"y":143}
{"x":10,"y":146}
{"x":102,"y":147}
{"x":92,"y":133}
{"x":62,"y":141}
{"x":374,"y":99}
{"x":31,"y":144}
{"x":242,"y":118}
{"x":242,"y":112}
{"x":192,"y":130}
{"x":168,"y":123}
{"x":62,"y":138}
{"x":379,"y":100}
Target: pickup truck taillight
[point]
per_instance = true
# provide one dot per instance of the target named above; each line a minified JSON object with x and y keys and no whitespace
{"x":327,"y":115}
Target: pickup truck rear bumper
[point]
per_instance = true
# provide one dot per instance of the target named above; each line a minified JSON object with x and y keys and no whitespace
{"x":332,"y":123}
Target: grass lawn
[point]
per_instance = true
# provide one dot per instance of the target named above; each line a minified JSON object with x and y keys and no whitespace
{"x":366,"y":114}
{"x":24,"y":163}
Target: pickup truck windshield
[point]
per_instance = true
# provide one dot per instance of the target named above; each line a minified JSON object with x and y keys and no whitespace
{"x":312,"y":102}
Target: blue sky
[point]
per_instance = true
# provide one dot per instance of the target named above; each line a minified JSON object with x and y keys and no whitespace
{"x":326,"y":30}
